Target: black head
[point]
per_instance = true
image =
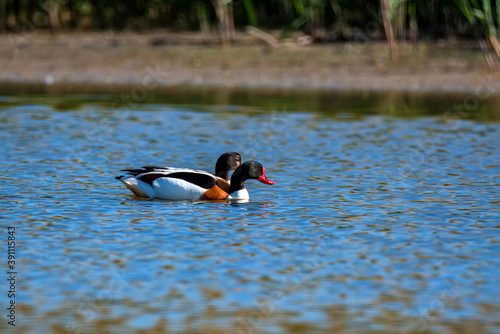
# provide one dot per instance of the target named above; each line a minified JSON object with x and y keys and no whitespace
{"x":249,"y":170}
{"x":227,"y":162}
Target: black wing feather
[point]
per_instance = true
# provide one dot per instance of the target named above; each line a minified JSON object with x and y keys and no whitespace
{"x":202,"y":180}
{"x":145,"y":169}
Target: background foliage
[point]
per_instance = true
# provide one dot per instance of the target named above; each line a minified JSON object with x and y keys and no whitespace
{"x":324,"y":20}
{"x":334,"y":19}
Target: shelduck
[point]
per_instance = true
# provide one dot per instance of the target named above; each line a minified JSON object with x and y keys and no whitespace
{"x":188,"y":184}
{"x":227,"y":162}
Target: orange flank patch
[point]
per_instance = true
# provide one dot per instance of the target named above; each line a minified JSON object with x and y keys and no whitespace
{"x":223,"y":184}
{"x":217,"y":192}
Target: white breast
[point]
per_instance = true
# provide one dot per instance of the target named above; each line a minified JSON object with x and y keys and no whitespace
{"x":240,"y":194}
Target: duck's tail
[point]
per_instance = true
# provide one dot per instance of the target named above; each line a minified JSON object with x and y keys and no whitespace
{"x":139,"y":188}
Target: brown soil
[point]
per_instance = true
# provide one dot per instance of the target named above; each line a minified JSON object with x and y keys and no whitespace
{"x":161,"y":59}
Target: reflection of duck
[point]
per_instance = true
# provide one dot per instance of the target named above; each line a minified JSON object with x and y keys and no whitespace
{"x":189,"y":184}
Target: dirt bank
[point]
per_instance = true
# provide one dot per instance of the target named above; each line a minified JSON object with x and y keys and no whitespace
{"x":173,"y":59}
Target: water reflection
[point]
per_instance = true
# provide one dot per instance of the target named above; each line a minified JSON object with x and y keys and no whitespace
{"x":376,"y":223}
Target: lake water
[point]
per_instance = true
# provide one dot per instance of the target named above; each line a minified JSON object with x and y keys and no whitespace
{"x":384,"y":217}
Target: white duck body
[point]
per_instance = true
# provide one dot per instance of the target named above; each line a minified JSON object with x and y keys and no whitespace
{"x":161,"y":183}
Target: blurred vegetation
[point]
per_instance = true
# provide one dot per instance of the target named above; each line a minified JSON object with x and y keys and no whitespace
{"x":323,"y":20}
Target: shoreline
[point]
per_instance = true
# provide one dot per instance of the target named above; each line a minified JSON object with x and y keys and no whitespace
{"x":118,"y":61}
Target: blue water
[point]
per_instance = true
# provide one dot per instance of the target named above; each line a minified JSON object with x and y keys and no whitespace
{"x":376,"y":223}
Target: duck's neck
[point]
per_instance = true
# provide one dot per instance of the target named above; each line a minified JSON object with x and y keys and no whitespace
{"x":237,"y":183}
{"x":223,"y":174}
{"x":222,"y":169}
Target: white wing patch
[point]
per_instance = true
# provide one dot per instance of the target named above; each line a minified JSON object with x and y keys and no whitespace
{"x":170,"y":170}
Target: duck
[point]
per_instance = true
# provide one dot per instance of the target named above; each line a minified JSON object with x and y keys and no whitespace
{"x":227,"y":162}
{"x":195,"y":185}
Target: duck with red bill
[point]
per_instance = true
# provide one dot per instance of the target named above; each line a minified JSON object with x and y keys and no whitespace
{"x":248,"y":170}
{"x":188,"y":184}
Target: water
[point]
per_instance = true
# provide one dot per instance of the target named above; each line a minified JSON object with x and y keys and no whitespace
{"x":384,"y":217}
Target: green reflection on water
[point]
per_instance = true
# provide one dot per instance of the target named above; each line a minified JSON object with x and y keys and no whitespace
{"x":334,"y":103}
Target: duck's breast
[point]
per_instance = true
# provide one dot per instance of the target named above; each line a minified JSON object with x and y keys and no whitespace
{"x":217,"y":192}
{"x":241,"y":194}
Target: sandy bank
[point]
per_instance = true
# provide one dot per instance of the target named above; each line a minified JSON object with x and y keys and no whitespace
{"x":160,"y":59}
